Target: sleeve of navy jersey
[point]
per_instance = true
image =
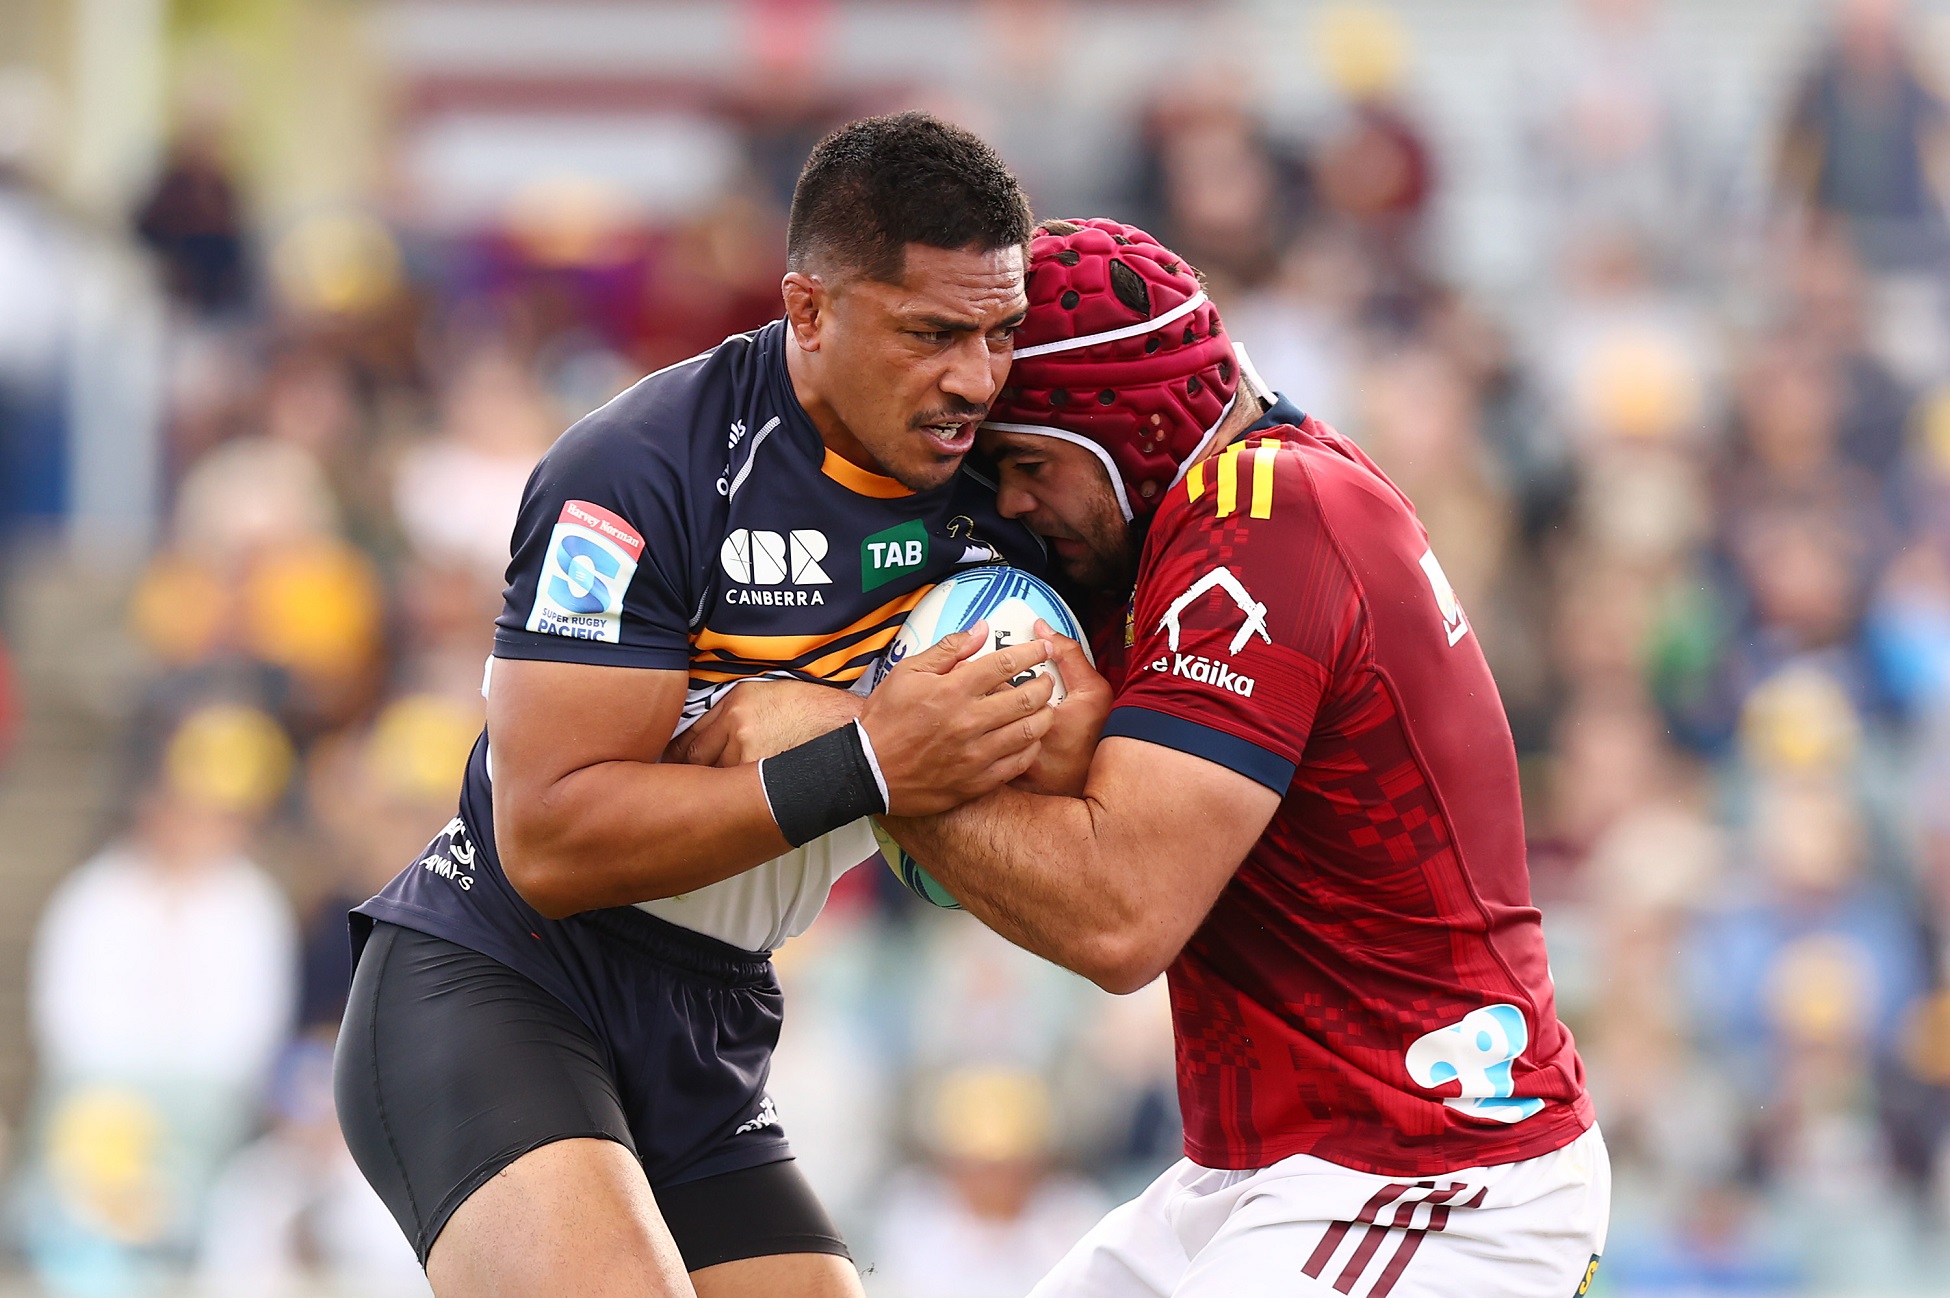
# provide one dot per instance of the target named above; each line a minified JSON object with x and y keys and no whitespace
{"x":1244,"y":617}
{"x":601,"y":565}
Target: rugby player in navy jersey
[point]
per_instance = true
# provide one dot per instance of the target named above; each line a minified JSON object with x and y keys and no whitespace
{"x":554,"y":1060}
{"x":1303,"y":811}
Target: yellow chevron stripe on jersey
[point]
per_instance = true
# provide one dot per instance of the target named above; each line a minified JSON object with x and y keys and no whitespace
{"x":1195,"y":481}
{"x":843,"y":665}
{"x":789,"y":650}
{"x":1264,"y":458}
{"x":719,"y":673}
{"x":828,"y":669}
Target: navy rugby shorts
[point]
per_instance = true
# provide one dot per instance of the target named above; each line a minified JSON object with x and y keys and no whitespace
{"x":451,"y":1066}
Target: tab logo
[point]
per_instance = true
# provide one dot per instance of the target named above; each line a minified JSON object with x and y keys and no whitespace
{"x":592,"y":555}
{"x":895,"y":552}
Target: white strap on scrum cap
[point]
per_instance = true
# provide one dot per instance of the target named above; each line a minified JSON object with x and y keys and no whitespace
{"x":1205,"y":442}
{"x":1185,"y":308}
{"x":1110,"y":465}
{"x":1251,"y":375}
{"x":1248,"y":378}
{"x":1064,"y":435}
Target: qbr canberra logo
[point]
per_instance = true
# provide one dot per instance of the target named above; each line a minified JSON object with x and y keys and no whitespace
{"x":592,"y":554}
{"x":755,"y":558}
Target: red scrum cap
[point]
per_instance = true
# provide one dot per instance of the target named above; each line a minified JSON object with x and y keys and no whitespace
{"x":1121,"y":353}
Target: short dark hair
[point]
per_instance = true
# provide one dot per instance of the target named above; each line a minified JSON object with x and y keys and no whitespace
{"x":876,"y":185}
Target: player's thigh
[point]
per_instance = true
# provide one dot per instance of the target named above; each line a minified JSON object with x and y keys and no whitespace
{"x":458,"y":1078}
{"x":572,"y":1217}
{"x":801,"y":1275}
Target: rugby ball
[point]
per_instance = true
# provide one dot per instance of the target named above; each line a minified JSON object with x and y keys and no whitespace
{"x":1010,"y":601}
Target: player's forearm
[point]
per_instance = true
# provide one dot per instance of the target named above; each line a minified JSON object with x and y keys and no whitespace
{"x":1035,"y":869}
{"x":622,"y":832}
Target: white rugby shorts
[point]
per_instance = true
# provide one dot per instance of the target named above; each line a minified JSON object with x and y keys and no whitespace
{"x":1307,"y":1228}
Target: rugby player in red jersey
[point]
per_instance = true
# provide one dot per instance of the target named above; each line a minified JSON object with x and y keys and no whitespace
{"x":1303,"y":810}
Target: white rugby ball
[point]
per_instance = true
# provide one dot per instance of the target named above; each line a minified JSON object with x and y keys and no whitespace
{"x":1008,"y":599}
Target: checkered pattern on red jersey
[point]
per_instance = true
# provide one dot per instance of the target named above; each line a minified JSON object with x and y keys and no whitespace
{"x":1350,"y":991}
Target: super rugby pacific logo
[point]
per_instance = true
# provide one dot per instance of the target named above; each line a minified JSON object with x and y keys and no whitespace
{"x":592,"y":555}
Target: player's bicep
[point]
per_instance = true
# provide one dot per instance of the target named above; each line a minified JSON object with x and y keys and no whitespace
{"x":1184,"y":822}
{"x":547,"y":720}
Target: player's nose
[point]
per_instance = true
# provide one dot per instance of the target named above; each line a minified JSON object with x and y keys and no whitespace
{"x":969,"y":373}
{"x":1012,"y":499}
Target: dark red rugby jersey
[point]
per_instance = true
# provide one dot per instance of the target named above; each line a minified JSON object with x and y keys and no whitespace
{"x":1371,"y":986}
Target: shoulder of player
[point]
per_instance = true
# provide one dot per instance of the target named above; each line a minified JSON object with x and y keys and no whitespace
{"x":1262,"y":480}
{"x":1280,"y":479}
{"x":666,"y":421}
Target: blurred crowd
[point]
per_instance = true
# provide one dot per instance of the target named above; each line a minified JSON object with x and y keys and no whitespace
{"x":1691,"y":477}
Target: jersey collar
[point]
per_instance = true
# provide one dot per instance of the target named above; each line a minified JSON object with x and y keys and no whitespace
{"x":1281,"y":414}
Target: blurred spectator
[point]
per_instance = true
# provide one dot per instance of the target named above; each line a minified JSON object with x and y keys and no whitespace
{"x":1804,"y":981}
{"x":1717,"y":1239}
{"x":1218,"y":189}
{"x":292,"y":1206}
{"x":1835,"y":317}
{"x":989,"y":1217}
{"x":37,"y":265}
{"x":1374,"y":168}
{"x":456,"y":494}
{"x":257,"y":572}
{"x":1866,"y":137}
{"x":1613,"y":126}
{"x":194,"y":222}
{"x":162,"y":986}
{"x":1420,"y":420}
{"x":377,"y":798}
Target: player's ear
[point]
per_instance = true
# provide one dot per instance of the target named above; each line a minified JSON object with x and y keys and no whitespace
{"x":807,"y":303}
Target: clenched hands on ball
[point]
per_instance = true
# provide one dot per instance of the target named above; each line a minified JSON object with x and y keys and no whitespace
{"x":946,"y":727}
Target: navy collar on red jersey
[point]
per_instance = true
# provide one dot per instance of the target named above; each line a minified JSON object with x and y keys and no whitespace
{"x":1280,"y":414}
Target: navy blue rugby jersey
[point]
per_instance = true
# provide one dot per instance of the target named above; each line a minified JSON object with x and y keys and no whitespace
{"x":698,"y":522}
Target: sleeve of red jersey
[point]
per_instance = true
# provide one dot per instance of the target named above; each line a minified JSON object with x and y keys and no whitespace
{"x":1244,"y":616}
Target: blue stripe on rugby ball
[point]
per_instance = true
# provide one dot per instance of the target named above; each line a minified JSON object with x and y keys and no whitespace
{"x":911,"y":873}
{"x":955,"y":604}
{"x":974,"y":595}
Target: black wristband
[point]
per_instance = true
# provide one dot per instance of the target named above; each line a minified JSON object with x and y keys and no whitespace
{"x":823,"y":783}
